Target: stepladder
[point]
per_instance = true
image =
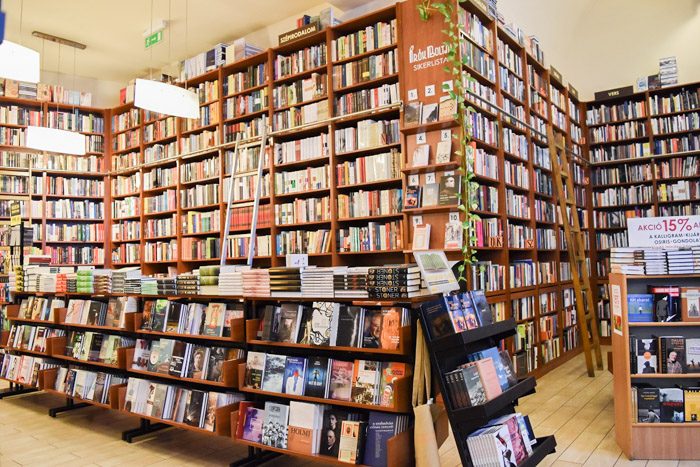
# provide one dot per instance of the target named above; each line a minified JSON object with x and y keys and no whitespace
{"x":586,"y":318}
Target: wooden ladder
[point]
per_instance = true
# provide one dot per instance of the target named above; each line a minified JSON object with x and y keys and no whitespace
{"x":564,"y":191}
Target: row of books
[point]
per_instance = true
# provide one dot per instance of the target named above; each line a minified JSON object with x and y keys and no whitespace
{"x":681,"y":101}
{"x":362,"y":381}
{"x":506,"y":440}
{"x":44,"y":92}
{"x":213,"y":320}
{"x":95,"y":347}
{"x":622,"y":131}
{"x":31,"y":338}
{"x":623,"y":196}
{"x":24,"y":369}
{"x":311,"y":429}
{"x":445,"y":193}
{"x":169,"y":402}
{"x":298,"y":92}
{"x":457,"y":313}
{"x":182,"y":359}
{"x":376,"y":36}
{"x":650,"y":261}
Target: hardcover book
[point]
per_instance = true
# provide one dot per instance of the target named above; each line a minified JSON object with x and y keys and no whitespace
{"x":431,"y":194}
{"x":316,"y":377}
{"x":648,"y":405}
{"x":671,"y":401}
{"x":254,"y":369}
{"x":273,"y":376}
{"x":194,"y":409}
{"x":274,"y":430}
{"x":253,"y":425}
{"x":340,"y":384}
{"x":640,"y":308}
{"x":294,"y":373}
{"x":412,"y":113}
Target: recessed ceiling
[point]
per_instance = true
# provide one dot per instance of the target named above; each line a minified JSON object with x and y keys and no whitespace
{"x":113,"y":30}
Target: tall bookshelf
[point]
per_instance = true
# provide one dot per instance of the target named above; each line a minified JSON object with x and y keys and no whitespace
{"x":639,"y":145}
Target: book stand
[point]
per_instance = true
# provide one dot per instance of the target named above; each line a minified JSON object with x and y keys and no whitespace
{"x":447,"y":353}
{"x":17,"y":389}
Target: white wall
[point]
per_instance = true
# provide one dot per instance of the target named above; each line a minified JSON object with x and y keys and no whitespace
{"x":603,"y":44}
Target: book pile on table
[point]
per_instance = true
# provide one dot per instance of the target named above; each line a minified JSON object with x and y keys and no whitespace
{"x":350,"y":282}
{"x":71,"y":282}
{"x":627,"y":260}
{"x":120,"y":277}
{"x":166,"y":285}
{"x":85,"y":282}
{"x":103,"y":281}
{"x":61,"y":284}
{"x":684,"y":261}
{"x":256,"y":283}
{"x":285,"y":282}
{"x":231,"y":280}
{"x":47,"y":282}
{"x":149,"y":286}
{"x":188,"y":284}
{"x":209,"y":280}
{"x":317,"y":282}
{"x":387,"y":282}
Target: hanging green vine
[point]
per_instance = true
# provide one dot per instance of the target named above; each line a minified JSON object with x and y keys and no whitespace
{"x":464,"y":151}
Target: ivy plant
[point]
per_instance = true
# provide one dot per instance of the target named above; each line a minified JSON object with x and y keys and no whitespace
{"x":457,"y":92}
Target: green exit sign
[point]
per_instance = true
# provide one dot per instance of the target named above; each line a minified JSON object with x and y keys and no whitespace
{"x":154,"y":38}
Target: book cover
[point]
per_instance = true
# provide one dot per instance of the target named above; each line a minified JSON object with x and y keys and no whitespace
{"x":372,"y":329}
{"x":454,"y":236}
{"x":365,"y":381}
{"x":448,"y":108}
{"x":316,"y":377}
{"x":510,"y":421}
{"x":274,"y":429}
{"x":273,"y":376}
{"x":177,"y":361}
{"x":489,"y":378}
{"x":429,"y":113}
{"x":431,"y":194}
{"x":349,"y":326}
{"x":350,"y":445}
{"x":197,"y":366}
{"x":412,"y":113}
{"x":691,"y":399}
{"x":390,"y":373}
{"x":672,"y":354}
{"x":666,"y":303}
{"x":165,"y":355}
{"x":692,"y":355}
{"x":147,"y":321}
{"x":289,"y":318}
{"x":671,"y":402}
{"x":470,"y":316}
{"x":421,"y":237}
{"x":443,"y":153}
{"x":160,"y":315}
{"x":412,"y":197}
{"x":172,"y":324}
{"x":648,"y":405}
{"x":340,"y":384}
{"x":300,"y":439}
{"x":194,"y":409}
{"x":323,"y":317}
{"x":142,"y":354}
{"x":482,"y":308}
{"x":647,"y":352}
{"x":294,"y":373}
{"x":450,"y":188}
{"x":390,"y":334}
{"x":640,"y":308}
{"x":421,"y":155}
{"x":380,"y":428}
{"x":253,"y":425}
{"x":94,"y":313}
{"x":254,"y":368}
{"x":438,"y":318}
{"x":217,"y":356}
{"x":214,"y":319}
{"x":474,"y":386}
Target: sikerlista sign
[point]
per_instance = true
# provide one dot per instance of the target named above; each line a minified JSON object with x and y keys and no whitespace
{"x":664,"y":232}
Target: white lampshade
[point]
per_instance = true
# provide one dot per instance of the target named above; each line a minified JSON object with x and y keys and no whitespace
{"x":165,"y":99}
{"x":19,"y":63}
{"x":51,"y":139}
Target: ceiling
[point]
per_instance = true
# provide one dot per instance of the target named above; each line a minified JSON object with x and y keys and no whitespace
{"x":113,"y":30}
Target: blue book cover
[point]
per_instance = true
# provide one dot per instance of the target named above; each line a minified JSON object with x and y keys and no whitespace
{"x":380,"y":428}
{"x":492,"y":353}
{"x":640,"y":308}
{"x":294,"y":372}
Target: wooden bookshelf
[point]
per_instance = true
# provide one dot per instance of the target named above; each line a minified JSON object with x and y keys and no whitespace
{"x":648,"y":440}
{"x":658,"y":171}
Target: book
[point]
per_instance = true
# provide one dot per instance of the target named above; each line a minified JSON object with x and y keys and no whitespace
{"x":481,"y":307}
{"x":215,"y":315}
{"x":448,"y":108}
{"x":159,"y":315}
{"x":690,"y":303}
{"x":489,"y":378}
{"x":450,"y":188}
{"x":520,"y":452}
{"x":350,"y":326}
{"x":340,"y":382}
{"x":194,"y":411}
{"x":421,"y":237}
{"x":324,"y":316}
{"x":273,"y":375}
{"x":431,"y":194}
{"x":380,"y":428}
{"x":305,"y":421}
{"x":412,"y":198}
{"x":671,"y":405}
{"x":672,"y":354}
{"x":648,"y":405}
{"x":429,"y":113}
{"x":390,"y":373}
{"x":365,"y":381}
{"x":412,"y":113}
{"x":443,"y":153}
{"x":692,"y":355}
{"x":253,"y":425}
{"x":289,"y":320}
{"x":666,"y":303}
{"x":197,"y":365}
{"x":316,"y":377}
{"x":351,"y":441}
{"x":421,"y":155}
{"x":372,"y":329}
{"x":438,"y":317}
{"x":454,"y":235}
{"x":390,"y":334}
{"x":640,"y":308}
{"x":254,"y":369}
{"x":217,"y":356}
{"x":274,"y":429}
{"x":294,"y":374}
{"x":691,"y":399}
{"x":647,"y":352}
{"x":330,"y":432}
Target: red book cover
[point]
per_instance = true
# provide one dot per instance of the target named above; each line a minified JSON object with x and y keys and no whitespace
{"x":489,"y":378}
{"x":242,"y":407}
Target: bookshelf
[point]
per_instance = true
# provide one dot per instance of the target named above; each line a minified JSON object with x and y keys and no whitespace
{"x":643,"y":163}
{"x":647,"y":440}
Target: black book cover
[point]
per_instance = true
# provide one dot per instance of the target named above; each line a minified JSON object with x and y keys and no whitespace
{"x":178,"y":358}
{"x":648,"y":405}
{"x":349,"y":326}
{"x":438,"y":318}
{"x":94,"y":313}
{"x":316,"y":376}
{"x":217,"y":355}
{"x":672,"y":409}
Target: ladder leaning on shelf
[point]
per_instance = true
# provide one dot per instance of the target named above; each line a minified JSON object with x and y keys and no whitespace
{"x":243,"y":145}
{"x":564,"y":191}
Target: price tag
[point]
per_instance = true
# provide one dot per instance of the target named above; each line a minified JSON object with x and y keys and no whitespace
{"x":454,"y":217}
{"x":447,"y":85}
{"x":430,"y":90}
{"x":414,"y":180}
{"x":417,"y":220}
{"x":430,"y":177}
{"x":445,"y":135}
{"x":421,"y":138}
{"x":412,"y":94}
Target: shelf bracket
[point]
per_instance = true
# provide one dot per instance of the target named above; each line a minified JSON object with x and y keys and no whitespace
{"x":70,"y":405}
{"x":255,"y":457}
{"x":16,"y":390}
{"x":146,"y":428}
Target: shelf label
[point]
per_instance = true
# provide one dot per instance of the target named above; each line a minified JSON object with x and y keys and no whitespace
{"x":154,"y":38}
{"x":299,"y":33}
{"x":616,"y":305}
{"x":297,"y":261}
{"x":15,"y":213}
{"x":664,"y":232}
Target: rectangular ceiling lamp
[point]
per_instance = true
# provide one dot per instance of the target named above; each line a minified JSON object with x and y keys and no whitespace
{"x":165,"y":99}
{"x":19,"y":63}
{"x":51,"y":139}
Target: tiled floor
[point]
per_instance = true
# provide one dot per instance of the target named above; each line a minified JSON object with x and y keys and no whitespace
{"x":577,"y":409}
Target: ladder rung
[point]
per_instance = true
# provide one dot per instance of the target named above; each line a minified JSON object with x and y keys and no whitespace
{"x":245,"y":204}
{"x":570,"y":202}
{"x":245,"y":174}
{"x":564,"y":174}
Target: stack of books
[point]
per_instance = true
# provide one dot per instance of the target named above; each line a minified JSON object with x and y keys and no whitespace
{"x":627,"y":260}
{"x":166,"y":285}
{"x":317,"y":282}
{"x":149,"y":286}
{"x":188,"y":284}
{"x":256,"y":282}
{"x":655,"y":262}
{"x":668,"y":71}
{"x":350,"y":282}
{"x":132,"y":285}
{"x":85,"y":282}
{"x":120,"y":277}
{"x":285,"y":282}
{"x":684,"y":261}
{"x":388,"y":282}
{"x":47,"y":282}
{"x":209,"y":280}
{"x":71,"y":282}
{"x":231,"y":280}
{"x":103,"y":281}
{"x":506,"y":440}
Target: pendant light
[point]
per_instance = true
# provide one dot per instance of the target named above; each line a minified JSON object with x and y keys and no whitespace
{"x":17,"y":62}
{"x":164,"y":98}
